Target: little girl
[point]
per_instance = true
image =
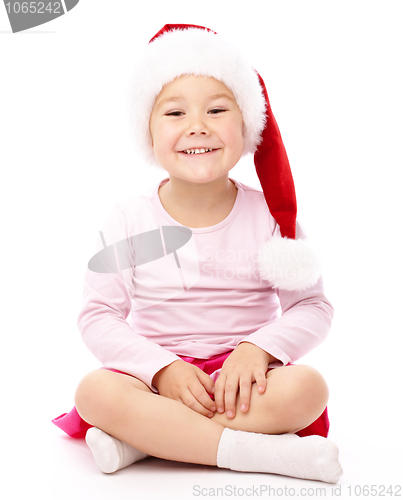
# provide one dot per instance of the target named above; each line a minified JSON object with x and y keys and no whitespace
{"x":203,"y":293}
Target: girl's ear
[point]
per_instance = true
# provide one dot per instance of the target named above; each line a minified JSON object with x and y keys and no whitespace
{"x":243,"y":130}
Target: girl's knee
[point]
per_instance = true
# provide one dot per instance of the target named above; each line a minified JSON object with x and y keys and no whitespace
{"x":300,"y":396}
{"x":311,"y":387}
{"x":91,"y":392}
{"x":301,"y":387}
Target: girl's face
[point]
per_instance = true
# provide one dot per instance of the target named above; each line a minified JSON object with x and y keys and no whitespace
{"x":196,"y":113}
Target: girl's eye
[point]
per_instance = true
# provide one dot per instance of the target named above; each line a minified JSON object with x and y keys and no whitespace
{"x":214,"y":111}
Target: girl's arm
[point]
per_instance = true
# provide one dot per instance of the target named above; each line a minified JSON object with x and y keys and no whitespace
{"x":304,"y":324}
{"x":109,"y":337}
{"x":106,"y":303}
{"x":106,"y":333}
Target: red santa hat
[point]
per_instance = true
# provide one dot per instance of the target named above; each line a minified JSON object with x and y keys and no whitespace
{"x":183,"y":49}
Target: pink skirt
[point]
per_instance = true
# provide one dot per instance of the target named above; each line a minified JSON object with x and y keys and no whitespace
{"x":73,"y":425}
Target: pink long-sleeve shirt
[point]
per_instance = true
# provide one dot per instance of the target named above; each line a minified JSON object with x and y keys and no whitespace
{"x":200,"y":300}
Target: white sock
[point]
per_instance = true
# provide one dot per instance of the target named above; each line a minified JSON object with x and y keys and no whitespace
{"x":311,"y":457}
{"x":110,"y":453}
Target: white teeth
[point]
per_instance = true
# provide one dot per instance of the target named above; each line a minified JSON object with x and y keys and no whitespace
{"x":196,"y":151}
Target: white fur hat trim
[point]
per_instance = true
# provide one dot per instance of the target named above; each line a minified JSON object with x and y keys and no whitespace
{"x":289,"y":264}
{"x":198,"y":52}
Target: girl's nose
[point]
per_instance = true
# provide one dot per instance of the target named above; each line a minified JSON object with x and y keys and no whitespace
{"x":196,"y":132}
{"x":197,"y":127}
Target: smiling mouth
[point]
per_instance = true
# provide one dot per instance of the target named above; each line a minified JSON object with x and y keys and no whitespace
{"x":197,"y":151}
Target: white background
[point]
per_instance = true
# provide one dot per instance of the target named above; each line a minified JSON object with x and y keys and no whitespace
{"x":334,"y":78}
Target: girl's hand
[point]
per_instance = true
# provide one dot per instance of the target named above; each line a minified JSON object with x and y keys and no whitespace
{"x":188,"y":384}
{"x":245,"y":365}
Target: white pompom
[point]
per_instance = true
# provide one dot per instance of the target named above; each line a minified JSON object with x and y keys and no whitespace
{"x":289,"y":264}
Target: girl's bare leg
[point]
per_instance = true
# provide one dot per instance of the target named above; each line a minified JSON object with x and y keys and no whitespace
{"x":125,"y":408}
{"x":295,"y":397}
